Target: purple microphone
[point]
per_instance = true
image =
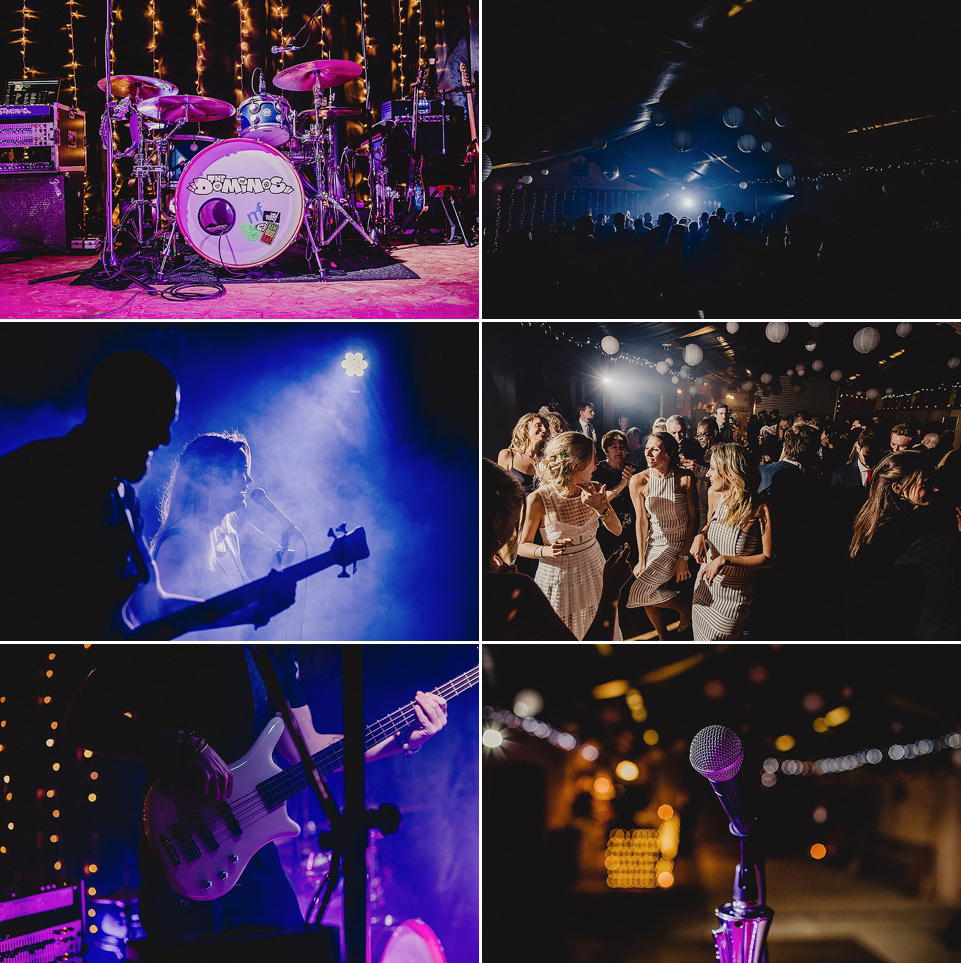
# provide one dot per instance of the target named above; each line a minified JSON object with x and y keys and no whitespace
{"x":717,"y":754}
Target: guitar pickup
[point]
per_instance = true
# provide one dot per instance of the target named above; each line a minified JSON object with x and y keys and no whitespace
{"x":230,"y":820}
{"x":200,"y":828}
{"x":185,"y":842}
{"x":169,"y":848}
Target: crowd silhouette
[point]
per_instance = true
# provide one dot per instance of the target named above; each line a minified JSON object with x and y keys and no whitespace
{"x":722,"y":264}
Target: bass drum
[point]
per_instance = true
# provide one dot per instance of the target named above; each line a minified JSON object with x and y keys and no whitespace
{"x":239,"y":203}
{"x":413,"y":942}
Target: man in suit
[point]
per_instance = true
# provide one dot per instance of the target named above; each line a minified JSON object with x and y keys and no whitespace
{"x":725,"y":432}
{"x":689,"y":447}
{"x":585,"y":425}
{"x":856,"y":474}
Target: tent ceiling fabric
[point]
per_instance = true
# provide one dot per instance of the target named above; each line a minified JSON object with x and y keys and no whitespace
{"x":561,"y":74}
{"x":923,"y":362}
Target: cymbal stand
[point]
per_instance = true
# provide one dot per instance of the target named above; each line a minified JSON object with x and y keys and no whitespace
{"x":109,"y":256}
{"x":324,"y":165}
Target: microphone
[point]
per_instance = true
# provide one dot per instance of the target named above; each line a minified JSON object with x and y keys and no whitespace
{"x":260,"y":498}
{"x":284,"y":49}
{"x":717,"y":754}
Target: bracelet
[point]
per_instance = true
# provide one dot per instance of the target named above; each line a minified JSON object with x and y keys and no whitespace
{"x":188,"y":751}
{"x":408,"y":751}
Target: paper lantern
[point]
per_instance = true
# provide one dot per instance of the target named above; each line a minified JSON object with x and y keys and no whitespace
{"x":743,"y":185}
{"x":610,"y":344}
{"x":682,"y":140}
{"x":599,"y":143}
{"x":784,"y":171}
{"x":746,"y":143}
{"x":545,"y":172}
{"x":674,"y":379}
{"x":611,"y":173}
{"x":662,"y":367}
{"x":669,"y":361}
{"x":866,"y":340}
{"x":693,"y":355}
{"x":954,"y":362}
{"x":766,"y":378}
{"x":820,"y":187}
{"x":815,"y":324}
{"x":790,"y":372}
{"x":487,"y":134}
{"x":801,"y":370}
{"x":658,"y":116}
{"x":487,"y":167}
{"x":733,"y":117}
{"x":732,"y":327}
{"x":692,"y":390}
{"x":767,"y":147}
{"x":904,"y":329}
{"x":810,"y":346}
{"x":817,"y":365}
{"x":776,"y":331}
{"x":889,"y":391}
{"x":527,"y":179}
{"x":791,"y":182}
{"x":871,"y":393}
{"x":782,"y":120}
{"x":837,"y":374}
{"x":747,"y":385}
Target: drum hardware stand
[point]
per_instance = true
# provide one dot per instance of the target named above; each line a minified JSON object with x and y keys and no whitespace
{"x":449,"y":206}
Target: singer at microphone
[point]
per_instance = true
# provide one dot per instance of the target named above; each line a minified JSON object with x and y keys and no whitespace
{"x":259,"y":497}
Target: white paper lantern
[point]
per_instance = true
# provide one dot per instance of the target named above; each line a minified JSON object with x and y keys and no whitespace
{"x":801,"y":370}
{"x":790,"y":372}
{"x":817,"y":365}
{"x":837,"y":374}
{"x":811,"y":345}
{"x":867,"y":339}
{"x":743,"y":185}
{"x":733,"y":117}
{"x":732,"y":327}
{"x":904,"y":329}
{"x":610,"y":344}
{"x":693,"y":355}
{"x":685,"y":372}
{"x":674,"y":379}
{"x":527,"y":179}
{"x":871,"y":393}
{"x":747,"y":386}
{"x":662,"y":367}
{"x":746,"y":143}
{"x":545,"y":171}
{"x":693,"y":389}
{"x":954,"y":362}
{"x":669,"y":361}
{"x":776,"y":331}
{"x":784,"y":171}
{"x":815,"y":324}
{"x":766,"y":378}
{"x":767,"y":147}
{"x":889,"y":391}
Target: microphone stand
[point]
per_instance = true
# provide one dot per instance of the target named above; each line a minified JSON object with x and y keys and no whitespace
{"x":744,"y":922}
{"x":108,"y":255}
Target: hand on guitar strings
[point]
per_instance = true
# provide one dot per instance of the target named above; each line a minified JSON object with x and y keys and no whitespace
{"x":210,"y":776}
{"x":431,"y":711}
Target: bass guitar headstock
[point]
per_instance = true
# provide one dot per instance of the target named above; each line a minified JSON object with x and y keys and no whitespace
{"x":348,"y":547}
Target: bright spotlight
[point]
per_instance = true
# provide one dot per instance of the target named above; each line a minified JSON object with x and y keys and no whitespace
{"x":688,"y":201}
{"x":354,"y":364}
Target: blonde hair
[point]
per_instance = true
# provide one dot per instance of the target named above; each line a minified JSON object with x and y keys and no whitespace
{"x":520,"y":440}
{"x":563,"y":455}
{"x":736,"y":468}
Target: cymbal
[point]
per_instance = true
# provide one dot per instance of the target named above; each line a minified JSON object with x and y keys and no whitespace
{"x":330,"y":113}
{"x":186,"y":107}
{"x":137,"y":88}
{"x":330,"y":73}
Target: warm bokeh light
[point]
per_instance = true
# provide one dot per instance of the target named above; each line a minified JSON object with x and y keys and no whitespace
{"x":589,"y":752}
{"x":665,"y":811}
{"x":838,"y":716}
{"x":818,"y":851}
{"x":527,"y":702}
{"x":610,"y":690}
{"x":665,"y":880}
{"x":819,"y":725}
{"x":627,"y":770}
{"x":784,"y":743}
{"x":651,"y":737}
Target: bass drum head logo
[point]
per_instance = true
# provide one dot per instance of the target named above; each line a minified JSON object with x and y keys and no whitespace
{"x":240,"y":203}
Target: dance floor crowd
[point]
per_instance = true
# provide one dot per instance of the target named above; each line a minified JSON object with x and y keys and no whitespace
{"x":789,"y":526}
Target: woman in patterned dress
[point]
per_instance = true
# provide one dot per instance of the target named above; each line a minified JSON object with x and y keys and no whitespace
{"x":566,"y":508}
{"x":736,"y":542}
{"x":665,"y":506}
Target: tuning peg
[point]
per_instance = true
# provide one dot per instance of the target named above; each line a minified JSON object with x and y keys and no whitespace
{"x":330,"y":534}
{"x":344,"y":574}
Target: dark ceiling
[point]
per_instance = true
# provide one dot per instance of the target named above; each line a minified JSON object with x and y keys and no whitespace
{"x":748,"y":352}
{"x":560,"y":73}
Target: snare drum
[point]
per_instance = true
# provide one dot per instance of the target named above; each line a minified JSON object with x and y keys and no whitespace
{"x":413,"y":942}
{"x":183,"y":149}
{"x":239,"y":203}
{"x":267,"y":119}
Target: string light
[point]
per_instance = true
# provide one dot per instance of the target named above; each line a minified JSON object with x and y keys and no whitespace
{"x":156,"y":29}
{"x":279,"y":13}
{"x":197,"y":12}
{"x":246,"y":29}
{"x":73,"y":14}
{"x":24,"y":31}
{"x":401,"y":28}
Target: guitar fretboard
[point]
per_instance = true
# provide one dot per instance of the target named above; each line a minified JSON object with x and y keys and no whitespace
{"x":280,"y":787}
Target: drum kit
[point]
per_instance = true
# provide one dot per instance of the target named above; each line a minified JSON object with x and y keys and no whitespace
{"x":238,"y":202}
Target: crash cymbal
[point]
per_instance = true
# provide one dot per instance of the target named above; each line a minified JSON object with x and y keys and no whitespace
{"x":186,"y":107}
{"x":330,"y":73}
{"x":137,"y":88}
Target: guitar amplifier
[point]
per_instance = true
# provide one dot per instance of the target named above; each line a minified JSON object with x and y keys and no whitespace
{"x":402,"y":112}
{"x":36,"y":138}
{"x":43,"y":209}
{"x":41,"y":921}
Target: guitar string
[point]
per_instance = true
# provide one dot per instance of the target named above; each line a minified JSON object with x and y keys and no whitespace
{"x":247,"y":809}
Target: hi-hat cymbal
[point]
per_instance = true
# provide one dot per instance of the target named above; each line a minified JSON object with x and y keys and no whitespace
{"x":186,"y":107}
{"x":330,"y":73}
{"x":328,"y":113}
{"x":137,"y":88}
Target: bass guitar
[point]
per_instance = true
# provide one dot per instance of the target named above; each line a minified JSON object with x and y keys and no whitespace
{"x":348,"y":549}
{"x":204,"y":847}
{"x":473,"y":151}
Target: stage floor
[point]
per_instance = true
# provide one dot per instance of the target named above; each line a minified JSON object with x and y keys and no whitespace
{"x":446,"y":286}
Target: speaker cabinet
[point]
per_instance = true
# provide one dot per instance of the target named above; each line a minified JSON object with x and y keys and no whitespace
{"x":40,"y":210}
{"x":315,"y":946}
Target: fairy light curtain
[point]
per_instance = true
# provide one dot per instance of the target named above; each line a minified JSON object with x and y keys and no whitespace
{"x":212,"y":47}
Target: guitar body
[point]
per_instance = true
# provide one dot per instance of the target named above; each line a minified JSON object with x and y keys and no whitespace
{"x":183,"y":828}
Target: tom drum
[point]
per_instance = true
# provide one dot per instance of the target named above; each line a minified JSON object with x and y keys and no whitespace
{"x":267,"y":119}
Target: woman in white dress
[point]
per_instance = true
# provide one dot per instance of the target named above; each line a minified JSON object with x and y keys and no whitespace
{"x":665,"y":506}
{"x":737,"y":541}
{"x":567,"y":508}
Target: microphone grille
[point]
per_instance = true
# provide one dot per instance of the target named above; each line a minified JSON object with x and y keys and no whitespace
{"x":257,"y":494}
{"x":717,"y":753}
